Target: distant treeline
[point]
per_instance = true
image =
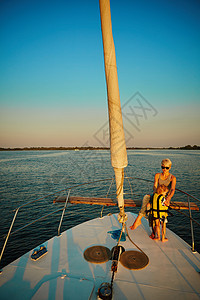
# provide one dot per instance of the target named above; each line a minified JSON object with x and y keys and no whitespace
{"x":53,"y":148}
{"x":188,"y":147}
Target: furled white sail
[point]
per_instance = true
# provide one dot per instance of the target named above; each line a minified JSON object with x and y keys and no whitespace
{"x":117,"y":137}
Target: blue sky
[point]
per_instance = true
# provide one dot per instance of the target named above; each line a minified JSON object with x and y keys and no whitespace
{"x":52,"y":82}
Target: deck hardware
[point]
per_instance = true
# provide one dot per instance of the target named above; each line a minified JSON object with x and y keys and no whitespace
{"x":105,"y":291}
{"x":38,"y":253}
{"x":116,"y":252}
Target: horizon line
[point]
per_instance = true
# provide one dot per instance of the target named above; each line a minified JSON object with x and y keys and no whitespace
{"x":187,"y":147}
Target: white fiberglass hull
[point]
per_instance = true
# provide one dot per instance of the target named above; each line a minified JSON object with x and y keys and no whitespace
{"x":63,"y":273}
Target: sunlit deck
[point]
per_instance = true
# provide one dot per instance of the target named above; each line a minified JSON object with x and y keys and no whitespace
{"x":63,"y":273}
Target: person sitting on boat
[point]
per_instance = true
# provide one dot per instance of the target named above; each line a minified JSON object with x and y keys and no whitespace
{"x":165,"y":178}
{"x":159,"y":212}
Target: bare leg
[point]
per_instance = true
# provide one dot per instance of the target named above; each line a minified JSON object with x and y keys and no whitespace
{"x":152,"y":235}
{"x":136,"y":223}
{"x":157,"y":230}
{"x":142,"y":212}
{"x":164,"y":239}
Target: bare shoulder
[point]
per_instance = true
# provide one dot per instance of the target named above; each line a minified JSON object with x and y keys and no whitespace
{"x":173,"y":178}
{"x":173,"y":181}
{"x":157,"y":175}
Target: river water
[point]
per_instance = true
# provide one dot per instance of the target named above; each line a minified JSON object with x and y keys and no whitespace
{"x":31,"y":175}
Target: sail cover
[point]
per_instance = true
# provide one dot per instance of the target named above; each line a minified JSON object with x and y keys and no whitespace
{"x":117,"y":137}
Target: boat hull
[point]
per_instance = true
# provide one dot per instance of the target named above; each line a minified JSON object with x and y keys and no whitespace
{"x":64,"y":273}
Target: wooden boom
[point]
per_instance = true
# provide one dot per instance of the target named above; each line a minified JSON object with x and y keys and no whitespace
{"x":127,"y":202}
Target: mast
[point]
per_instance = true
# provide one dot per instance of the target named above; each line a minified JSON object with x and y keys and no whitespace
{"x":117,"y":138}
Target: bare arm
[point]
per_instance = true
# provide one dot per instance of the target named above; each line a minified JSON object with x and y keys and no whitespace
{"x":156,"y":178}
{"x":172,"y":190}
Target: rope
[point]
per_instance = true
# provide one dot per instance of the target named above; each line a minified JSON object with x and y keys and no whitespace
{"x":113,"y":262}
{"x":123,"y":224}
{"x":133,"y":242}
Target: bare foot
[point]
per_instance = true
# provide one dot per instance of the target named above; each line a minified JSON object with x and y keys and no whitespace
{"x":165,"y":239}
{"x":156,"y":239}
{"x":136,"y":223}
{"x":152,"y":236}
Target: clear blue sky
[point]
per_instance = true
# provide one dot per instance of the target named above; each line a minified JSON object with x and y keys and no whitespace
{"x":52,"y":82}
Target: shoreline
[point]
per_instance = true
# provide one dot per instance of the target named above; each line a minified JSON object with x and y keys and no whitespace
{"x":188,"y":147}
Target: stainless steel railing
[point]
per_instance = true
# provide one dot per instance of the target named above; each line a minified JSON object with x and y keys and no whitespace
{"x":189,"y":208}
{"x":90,"y":183}
{"x":47,"y":215}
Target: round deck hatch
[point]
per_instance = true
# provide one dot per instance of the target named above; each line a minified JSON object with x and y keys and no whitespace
{"x":134,"y":260}
{"x":97,"y":254}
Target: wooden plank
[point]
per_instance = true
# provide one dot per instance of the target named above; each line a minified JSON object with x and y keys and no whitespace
{"x":183,"y":205}
{"x":127,"y":202}
{"x":97,"y":201}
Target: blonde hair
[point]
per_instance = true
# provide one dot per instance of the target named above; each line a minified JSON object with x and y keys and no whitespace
{"x":165,"y":162}
{"x":161,"y":189}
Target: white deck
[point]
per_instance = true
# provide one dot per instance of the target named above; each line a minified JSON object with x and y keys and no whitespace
{"x":63,"y":273}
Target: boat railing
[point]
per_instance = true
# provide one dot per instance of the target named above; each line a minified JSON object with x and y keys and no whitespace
{"x":190,"y":215}
{"x":46,"y":215}
{"x":68,"y":191}
{"x":189,"y":208}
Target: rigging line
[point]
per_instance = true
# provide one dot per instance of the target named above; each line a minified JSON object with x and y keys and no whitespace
{"x":128,"y":182}
{"x":133,"y":242}
{"x":123,"y":224}
{"x":107,"y":196}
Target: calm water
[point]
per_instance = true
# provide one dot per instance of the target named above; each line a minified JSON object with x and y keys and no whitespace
{"x":31,"y":175}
